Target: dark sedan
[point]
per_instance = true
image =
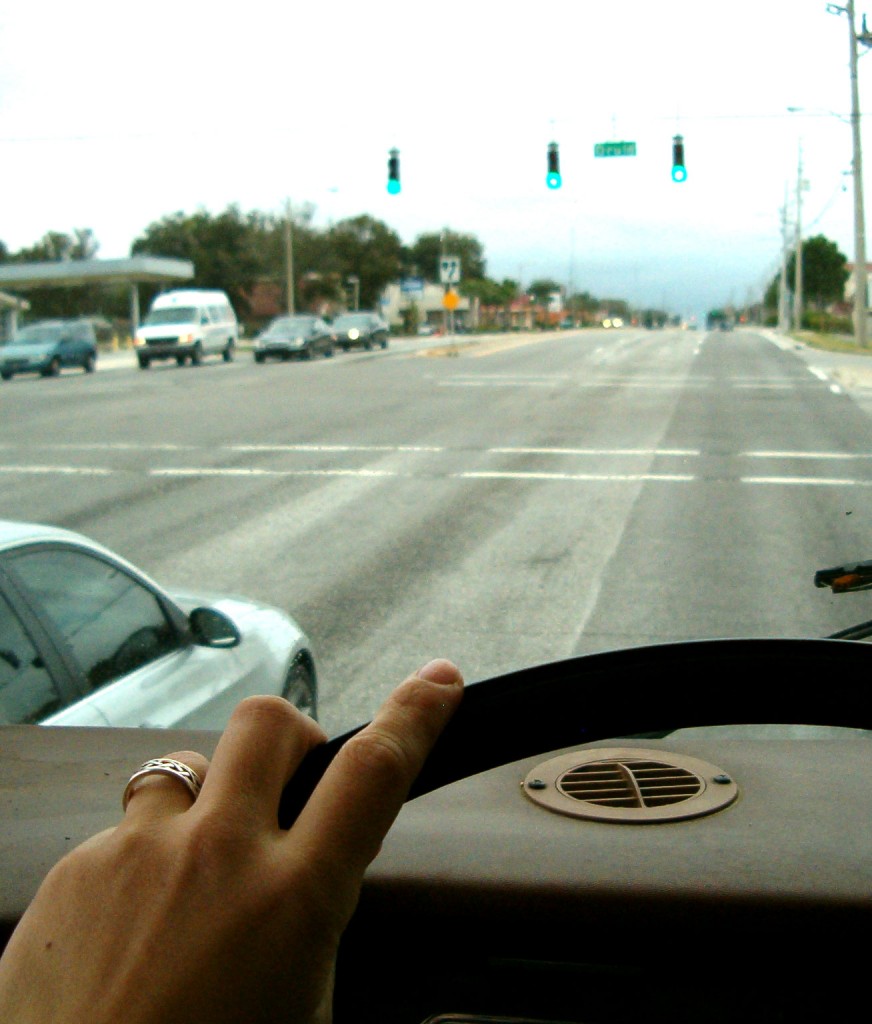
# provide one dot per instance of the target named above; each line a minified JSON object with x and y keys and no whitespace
{"x":289,"y":337}
{"x":361,"y":330}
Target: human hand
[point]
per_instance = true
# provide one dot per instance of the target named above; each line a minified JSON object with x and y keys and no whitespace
{"x":209,"y":912}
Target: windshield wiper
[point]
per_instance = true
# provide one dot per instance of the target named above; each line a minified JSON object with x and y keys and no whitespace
{"x":847,"y":579}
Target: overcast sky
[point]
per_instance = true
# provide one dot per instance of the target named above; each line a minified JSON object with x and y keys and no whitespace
{"x":113,"y":115}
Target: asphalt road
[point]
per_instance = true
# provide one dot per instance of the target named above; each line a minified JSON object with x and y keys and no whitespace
{"x":531,"y":498}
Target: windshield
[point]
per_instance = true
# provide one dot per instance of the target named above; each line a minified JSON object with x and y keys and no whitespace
{"x":291,"y":325}
{"x":39,"y":334}
{"x":612,"y":407}
{"x":173,"y":315}
{"x":354,"y":320}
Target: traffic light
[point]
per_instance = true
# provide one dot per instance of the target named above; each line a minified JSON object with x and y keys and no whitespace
{"x":679,"y":170}
{"x":553,"y":179}
{"x":394,"y":172}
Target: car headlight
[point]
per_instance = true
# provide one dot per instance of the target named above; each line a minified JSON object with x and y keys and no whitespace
{"x":354,"y":334}
{"x":186,"y":339}
{"x":138,"y":341}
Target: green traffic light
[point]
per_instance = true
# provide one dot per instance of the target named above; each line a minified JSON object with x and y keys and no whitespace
{"x":553,"y":180}
{"x":679,"y":173}
{"x":394,"y":186}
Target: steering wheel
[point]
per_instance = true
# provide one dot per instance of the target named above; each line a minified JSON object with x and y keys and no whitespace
{"x":648,"y":691}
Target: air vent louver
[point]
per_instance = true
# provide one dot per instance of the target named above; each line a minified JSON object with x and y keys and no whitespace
{"x":630,"y":785}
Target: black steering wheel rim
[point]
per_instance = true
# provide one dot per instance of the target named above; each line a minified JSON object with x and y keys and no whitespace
{"x":640,"y":690}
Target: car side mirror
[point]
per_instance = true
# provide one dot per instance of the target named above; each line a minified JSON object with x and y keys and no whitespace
{"x":211,"y":628}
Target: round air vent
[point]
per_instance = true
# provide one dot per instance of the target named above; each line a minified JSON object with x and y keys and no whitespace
{"x":630,"y":784}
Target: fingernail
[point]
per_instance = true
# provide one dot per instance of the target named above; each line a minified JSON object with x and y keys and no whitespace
{"x":440,"y":671}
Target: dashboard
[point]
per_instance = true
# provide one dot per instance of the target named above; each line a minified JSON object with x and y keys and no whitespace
{"x":486,"y":904}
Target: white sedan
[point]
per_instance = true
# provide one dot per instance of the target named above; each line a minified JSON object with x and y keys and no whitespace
{"x":88,"y":639}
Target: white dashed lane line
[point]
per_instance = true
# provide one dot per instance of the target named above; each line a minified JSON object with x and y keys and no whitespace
{"x":423,"y":468}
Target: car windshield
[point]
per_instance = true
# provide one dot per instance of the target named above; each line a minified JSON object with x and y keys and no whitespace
{"x":39,"y":334}
{"x":611,"y":406}
{"x":353,"y":320}
{"x":172,"y":315}
{"x":291,"y":325}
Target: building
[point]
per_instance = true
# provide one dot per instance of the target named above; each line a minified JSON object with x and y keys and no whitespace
{"x":424,"y":306}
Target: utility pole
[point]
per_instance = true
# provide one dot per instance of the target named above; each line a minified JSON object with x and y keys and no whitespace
{"x":797,"y":275}
{"x":289,"y":255}
{"x":782,"y":285}
{"x":860,"y":293}
{"x":860,"y":276}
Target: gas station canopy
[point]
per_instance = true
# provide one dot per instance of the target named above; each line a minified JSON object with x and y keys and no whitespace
{"x":137,"y":270}
{"x":71,"y":273}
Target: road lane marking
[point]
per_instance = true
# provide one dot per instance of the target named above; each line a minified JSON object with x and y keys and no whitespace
{"x":64,"y":470}
{"x":804,"y":455}
{"x":107,"y":446}
{"x":593,"y":477}
{"x":805,"y":481}
{"x":819,"y":374}
{"x":680,"y":452}
{"x":331,"y":448}
{"x":254,"y":471}
{"x":496,"y":384}
{"x":193,"y":472}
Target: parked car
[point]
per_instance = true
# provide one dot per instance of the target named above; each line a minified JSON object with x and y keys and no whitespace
{"x":360,"y":330}
{"x":187,"y":325}
{"x":45,"y":347}
{"x":289,"y":337}
{"x":87,"y":639}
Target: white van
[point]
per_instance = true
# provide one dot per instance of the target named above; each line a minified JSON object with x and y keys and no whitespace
{"x":187,"y":325}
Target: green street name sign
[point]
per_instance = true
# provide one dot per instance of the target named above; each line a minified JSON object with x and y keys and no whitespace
{"x":614,"y":149}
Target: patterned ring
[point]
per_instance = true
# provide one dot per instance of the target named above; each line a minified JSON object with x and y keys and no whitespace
{"x":163,"y":766}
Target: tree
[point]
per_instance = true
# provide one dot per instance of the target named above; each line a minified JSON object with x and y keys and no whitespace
{"x":223,"y":248}
{"x":823,"y":271}
{"x":489,"y":292}
{"x":56,"y":247}
{"x":770,"y":298}
{"x":426,"y":250}
{"x":543,"y":289}
{"x":366,"y":248}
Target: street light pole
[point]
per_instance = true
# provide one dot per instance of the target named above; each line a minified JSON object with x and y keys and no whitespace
{"x":289,"y":255}
{"x":782,"y":285}
{"x":860,"y":293}
{"x":354,"y":281}
{"x":797,"y":270}
{"x":860,"y":276}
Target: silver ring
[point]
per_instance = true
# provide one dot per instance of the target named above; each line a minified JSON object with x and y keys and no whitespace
{"x":163,"y":766}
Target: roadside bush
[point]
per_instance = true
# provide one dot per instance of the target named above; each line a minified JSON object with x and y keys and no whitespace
{"x":826,"y":323}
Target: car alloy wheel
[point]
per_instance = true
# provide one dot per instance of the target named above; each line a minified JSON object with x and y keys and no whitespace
{"x":90,"y":363}
{"x":197,"y":355}
{"x":53,"y":369}
{"x":300,"y":689}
